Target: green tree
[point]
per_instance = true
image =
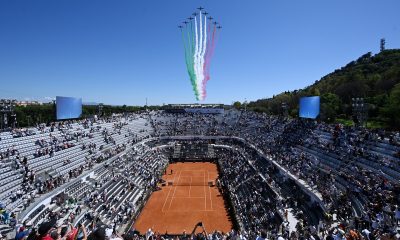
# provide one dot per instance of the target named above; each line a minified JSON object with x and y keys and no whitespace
{"x":392,"y":109}
{"x":330,"y":106}
{"x":237,"y":105}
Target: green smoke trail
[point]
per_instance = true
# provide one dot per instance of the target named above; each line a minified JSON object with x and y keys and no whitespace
{"x":185,"y":49}
{"x":189,"y":62}
{"x":191,"y":59}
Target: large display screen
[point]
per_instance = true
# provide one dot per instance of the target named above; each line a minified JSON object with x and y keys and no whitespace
{"x":68,"y":107}
{"x":309,"y":107}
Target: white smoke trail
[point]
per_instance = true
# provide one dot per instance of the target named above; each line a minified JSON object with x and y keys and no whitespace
{"x":199,"y":65}
{"x":202,"y":57}
{"x":196,"y":56}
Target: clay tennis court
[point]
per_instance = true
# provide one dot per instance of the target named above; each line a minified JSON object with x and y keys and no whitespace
{"x":187,"y":201}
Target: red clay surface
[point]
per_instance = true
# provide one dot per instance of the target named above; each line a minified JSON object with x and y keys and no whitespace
{"x":176,"y":208}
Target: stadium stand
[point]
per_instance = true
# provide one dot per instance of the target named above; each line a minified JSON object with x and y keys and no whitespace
{"x":93,"y":177}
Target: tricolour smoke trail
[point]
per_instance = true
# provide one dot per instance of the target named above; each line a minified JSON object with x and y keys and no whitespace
{"x":199,"y":43}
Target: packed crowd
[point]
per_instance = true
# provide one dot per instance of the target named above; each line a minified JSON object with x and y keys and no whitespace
{"x":51,"y":156}
{"x":355,"y":172}
{"x":115,"y":197}
{"x":256,"y":205}
{"x":343,"y":164}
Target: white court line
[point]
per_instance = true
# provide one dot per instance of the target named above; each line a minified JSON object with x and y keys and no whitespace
{"x":174,"y":191}
{"x":193,"y":170}
{"x":209,"y":189}
{"x":180,"y":211}
{"x":166,"y":199}
{"x":205,"y":195}
{"x":187,"y":197}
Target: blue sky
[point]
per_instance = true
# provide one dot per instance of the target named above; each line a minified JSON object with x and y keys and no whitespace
{"x":120,"y":52}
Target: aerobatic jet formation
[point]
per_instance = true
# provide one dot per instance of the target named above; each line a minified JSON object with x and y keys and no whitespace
{"x":199,"y":36}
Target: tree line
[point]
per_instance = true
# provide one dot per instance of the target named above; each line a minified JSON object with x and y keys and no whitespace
{"x":375,"y":78}
{"x":34,"y":114}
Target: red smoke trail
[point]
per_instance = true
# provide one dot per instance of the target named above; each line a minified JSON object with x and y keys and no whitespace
{"x":209,"y":54}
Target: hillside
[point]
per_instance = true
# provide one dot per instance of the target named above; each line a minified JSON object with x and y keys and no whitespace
{"x":373,"y":77}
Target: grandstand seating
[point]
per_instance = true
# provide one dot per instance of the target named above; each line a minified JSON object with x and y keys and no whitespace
{"x":108,"y":173}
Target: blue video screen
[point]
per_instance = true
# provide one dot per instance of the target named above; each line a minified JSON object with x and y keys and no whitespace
{"x":309,"y":107}
{"x":68,"y":107}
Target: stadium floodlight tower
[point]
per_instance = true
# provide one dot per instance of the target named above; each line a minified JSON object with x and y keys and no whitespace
{"x":360,"y":110}
{"x":383,"y":43}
